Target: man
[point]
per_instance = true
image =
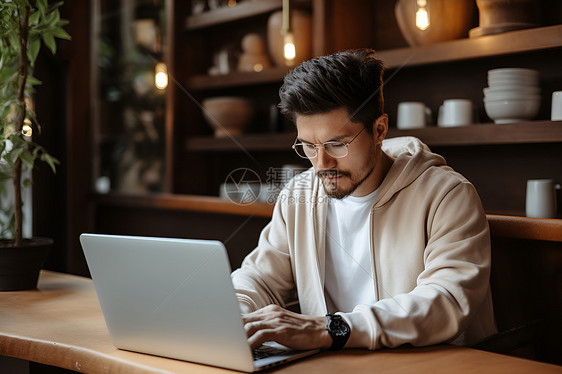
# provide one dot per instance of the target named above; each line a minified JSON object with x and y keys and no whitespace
{"x":381,"y":243}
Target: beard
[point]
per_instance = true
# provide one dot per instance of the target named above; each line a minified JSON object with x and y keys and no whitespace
{"x":348,"y":181}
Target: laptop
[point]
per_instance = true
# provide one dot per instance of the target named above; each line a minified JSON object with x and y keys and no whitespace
{"x":174,"y":298}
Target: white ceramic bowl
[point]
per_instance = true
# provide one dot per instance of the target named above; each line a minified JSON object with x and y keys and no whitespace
{"x":493,"y":96}
{"x":513,"y":72}
{"x":508,"y":111}
{"x":228,"y":115}
{"x":524,"y":81}
{"x":512,"y":86}
{"x":520,"y":90}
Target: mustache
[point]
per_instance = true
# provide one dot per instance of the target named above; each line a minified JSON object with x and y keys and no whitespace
{"x":332,"y":173}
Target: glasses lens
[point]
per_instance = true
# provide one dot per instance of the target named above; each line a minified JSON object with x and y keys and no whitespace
{"x":336,"y":149}
{"x":305,"y":150}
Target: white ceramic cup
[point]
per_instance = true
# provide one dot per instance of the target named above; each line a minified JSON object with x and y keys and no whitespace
{"x":412,"y":115}
{"x":556,"y":111}
{"x":541,"y":198}
{"x":456,"y":112}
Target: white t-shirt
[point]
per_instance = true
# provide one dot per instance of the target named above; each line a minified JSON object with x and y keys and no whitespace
{"x":349,"y":276}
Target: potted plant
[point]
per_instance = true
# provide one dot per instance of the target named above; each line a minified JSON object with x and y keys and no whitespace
{"x":24,"y":26}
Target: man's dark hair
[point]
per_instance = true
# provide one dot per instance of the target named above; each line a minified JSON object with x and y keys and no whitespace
{"x":350,"y":79}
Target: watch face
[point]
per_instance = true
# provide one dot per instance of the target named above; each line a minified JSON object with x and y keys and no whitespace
{"x":338,"y":327}
{"x":339,"y":330}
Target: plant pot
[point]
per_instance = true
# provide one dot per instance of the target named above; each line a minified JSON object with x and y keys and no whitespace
{"x":497,"y":16}
{"x":20,"y":266}
{"x":448,"y":20}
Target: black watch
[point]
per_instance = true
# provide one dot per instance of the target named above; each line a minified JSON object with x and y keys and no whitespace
{"x":339,"y":330}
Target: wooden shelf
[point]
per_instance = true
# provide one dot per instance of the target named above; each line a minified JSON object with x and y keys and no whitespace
{"x":500,"y":226}
{"x":208,"y":82}
{"x":535,"y":39}
{"x":195,"y":203}
{"x":481,"y":134}
{"x":250,"y":142}
{"x":229,"y":14}
{"x":525,"y":228}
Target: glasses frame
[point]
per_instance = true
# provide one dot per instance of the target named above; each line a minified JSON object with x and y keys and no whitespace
{"x":323,"y":145}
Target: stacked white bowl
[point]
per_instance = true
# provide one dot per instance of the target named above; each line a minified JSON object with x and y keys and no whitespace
{"x":513,"y":95}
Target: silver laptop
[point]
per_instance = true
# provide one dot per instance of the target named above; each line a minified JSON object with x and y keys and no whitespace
{"x":174,"y":298}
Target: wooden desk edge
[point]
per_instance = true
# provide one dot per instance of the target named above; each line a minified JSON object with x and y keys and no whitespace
{"x":79,"y":358}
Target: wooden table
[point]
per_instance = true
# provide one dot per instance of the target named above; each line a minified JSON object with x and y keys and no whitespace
{"x":61,"y":324}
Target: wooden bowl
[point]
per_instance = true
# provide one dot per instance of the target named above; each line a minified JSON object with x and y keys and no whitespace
{"x":228,"y":115}
{"x":448,"y":20}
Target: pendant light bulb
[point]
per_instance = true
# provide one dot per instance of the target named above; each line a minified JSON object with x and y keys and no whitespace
{"x":422,"y":14}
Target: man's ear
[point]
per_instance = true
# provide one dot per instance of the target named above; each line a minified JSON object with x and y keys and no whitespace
{"x":380,"y":128}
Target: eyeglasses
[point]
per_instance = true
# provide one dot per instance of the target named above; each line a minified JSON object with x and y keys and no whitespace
{"x":333,"y":148}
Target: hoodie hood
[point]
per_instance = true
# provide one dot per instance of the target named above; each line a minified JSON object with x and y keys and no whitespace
{"x":411,"y":159}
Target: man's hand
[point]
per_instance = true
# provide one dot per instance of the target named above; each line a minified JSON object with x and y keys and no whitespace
{"x":293,"y":330}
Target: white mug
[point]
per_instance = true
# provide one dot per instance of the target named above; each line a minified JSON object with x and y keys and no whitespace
{"x":455,"y":112}
{"x":412,"y":115}
{"x":541,"y":198}
{"x":556,"y":111}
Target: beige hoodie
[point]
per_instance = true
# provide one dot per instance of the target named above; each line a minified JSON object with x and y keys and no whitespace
{"x":430,"y":246}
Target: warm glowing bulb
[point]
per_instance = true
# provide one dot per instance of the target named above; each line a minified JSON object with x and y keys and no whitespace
{"x":422,"y":19}
{"x":289,"y":51}
{"x":161,"y":76}
{"x":422,"y":14}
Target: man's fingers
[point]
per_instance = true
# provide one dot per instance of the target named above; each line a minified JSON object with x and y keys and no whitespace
{"x":260,"y":337}
{"x":293,"y":330}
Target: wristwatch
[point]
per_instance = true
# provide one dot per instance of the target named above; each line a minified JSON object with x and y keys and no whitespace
{"x":338,"y":329}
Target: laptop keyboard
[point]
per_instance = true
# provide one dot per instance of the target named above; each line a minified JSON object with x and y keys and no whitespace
{"x":265,"y":351}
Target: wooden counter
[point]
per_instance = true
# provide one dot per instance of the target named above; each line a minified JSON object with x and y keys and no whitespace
{"x":61,"y":324}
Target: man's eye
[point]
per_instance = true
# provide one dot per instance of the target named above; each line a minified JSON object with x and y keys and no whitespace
{"x":308,"y":147}
{"x":336,"y":145}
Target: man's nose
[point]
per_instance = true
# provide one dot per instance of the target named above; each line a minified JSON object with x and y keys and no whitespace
{"x":325,"y":161}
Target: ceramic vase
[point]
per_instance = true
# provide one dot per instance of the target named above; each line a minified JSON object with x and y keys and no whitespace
{"x":448,"y":20}
{"x":301,"y":27}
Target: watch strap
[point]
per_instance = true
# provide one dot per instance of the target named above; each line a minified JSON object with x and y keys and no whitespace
{"x":339,"y":330}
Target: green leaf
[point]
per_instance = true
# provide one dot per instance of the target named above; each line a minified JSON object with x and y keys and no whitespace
{"x":13,"y":39}
{"x":27,"y":159}
{"x":56,"y":17}
{"x":33,"y":81}
{"x":13,"y":155}
{"x":62,"y":22}
{"x":27,"y":182}
{"x":33,"y":50}
{"x":52,"y":17}
{"x":49,"y":40}
{"x":50,"y":160}
{"x":60,"y":33}
{"x":42,"y":5}
{"x":34,"y":18}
